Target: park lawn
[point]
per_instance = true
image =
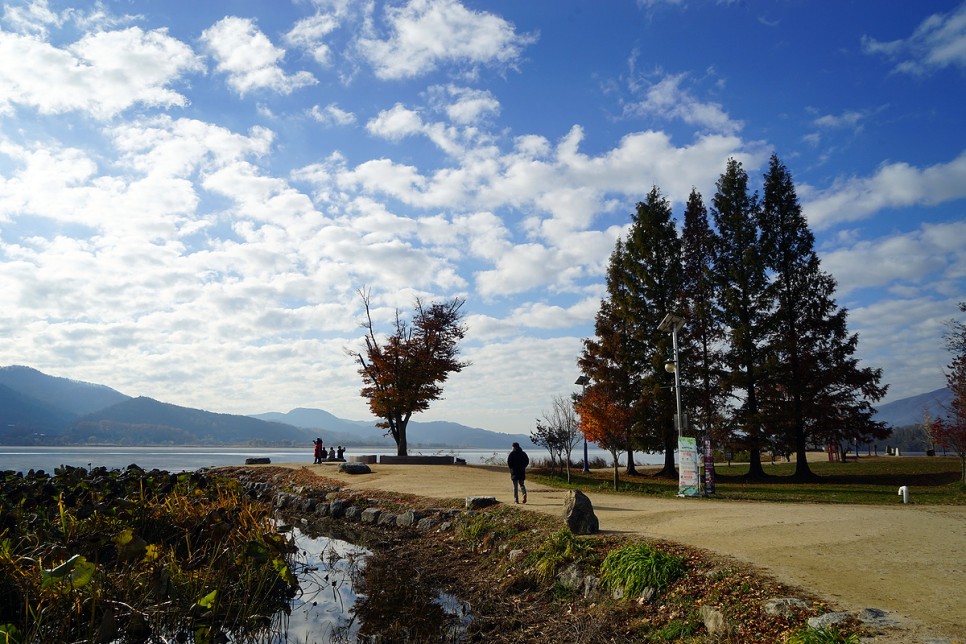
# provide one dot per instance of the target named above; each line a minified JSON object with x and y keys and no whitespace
{"x":870,"y":480}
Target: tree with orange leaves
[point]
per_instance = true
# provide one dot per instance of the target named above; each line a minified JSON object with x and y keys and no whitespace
{"x":603,"y":420}
{"x":403,"y":373}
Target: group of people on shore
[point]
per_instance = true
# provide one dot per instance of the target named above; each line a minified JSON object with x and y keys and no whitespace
{"x":322,"y":454}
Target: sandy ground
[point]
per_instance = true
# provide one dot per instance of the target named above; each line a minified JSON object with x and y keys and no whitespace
{"x":907,"y":559}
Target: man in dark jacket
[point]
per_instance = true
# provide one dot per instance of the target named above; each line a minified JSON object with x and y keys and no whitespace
{"x":517,"y":461}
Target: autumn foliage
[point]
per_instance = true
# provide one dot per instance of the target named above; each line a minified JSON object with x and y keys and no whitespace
{"x":950,"y":432}
{"x":603,"y":420}
{"x":403,"y":373}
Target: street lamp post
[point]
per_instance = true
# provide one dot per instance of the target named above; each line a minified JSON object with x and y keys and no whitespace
{"x":582,"y":381}
{"x":673,"y":323}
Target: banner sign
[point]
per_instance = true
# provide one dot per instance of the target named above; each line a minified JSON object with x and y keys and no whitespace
{"x":708,"y":467}
{"x":689,"y":481}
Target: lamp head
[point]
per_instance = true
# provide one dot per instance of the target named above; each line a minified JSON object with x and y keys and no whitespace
{"x":670,"y":366}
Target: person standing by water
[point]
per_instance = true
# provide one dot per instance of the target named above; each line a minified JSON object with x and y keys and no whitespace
{"x":517,"y":461}
{"x":318,"y":451}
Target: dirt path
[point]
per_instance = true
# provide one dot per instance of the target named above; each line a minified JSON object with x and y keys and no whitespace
{"x":904,"y":558}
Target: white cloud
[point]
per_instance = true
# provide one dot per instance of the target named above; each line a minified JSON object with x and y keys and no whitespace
{"x":938,"y":42}
{"x":931,"y":258}
{"x":89,"y":76}
{"x":850,"y":119}
{"x":31,"y":18}
{"x":425,"y":34}
{"x":667,"y":99}
{"x":309,"y":34}
{"x":464,"y":105}
{"x":250,"y":59}
{"x":894,"y":185}
{"x":396,"y":123}
{"x":332,"y":114}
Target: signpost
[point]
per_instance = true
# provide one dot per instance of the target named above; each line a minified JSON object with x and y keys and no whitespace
{"x":689,"y":481}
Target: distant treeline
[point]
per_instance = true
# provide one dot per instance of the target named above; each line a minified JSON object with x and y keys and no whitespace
{"x":909,"y":438}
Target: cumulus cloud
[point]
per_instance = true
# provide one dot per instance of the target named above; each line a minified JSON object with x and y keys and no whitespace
{"x":932,"y":257}
{"x":309,"y":34}
{"x":89,"y":76}
{"x":332,"y":114}
{"x":938,"y":42}
{"x":31,"y":18}
{"x":465,"y":105}
{"x":249,"y":58}
{"x":668,"y":99}
{"x":426,"y":34}
{"x":894,"y":185}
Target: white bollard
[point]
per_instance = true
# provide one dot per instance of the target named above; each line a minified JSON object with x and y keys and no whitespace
{"x":904,"y":493}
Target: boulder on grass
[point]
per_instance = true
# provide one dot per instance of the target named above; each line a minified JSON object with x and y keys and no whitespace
{"x":355,"y":468}
{"x":479,"y":502}
{"x":579,"y":513}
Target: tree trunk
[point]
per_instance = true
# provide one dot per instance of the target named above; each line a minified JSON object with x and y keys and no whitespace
{"x":668,"y":471}
{"x":802,"y":470}
{"x":631,"y":469}
{"x":616,"y":473}
{"x":402,"y":447}
{"x":755,"y":471}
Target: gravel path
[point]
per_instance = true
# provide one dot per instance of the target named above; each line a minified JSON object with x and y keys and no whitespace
{"x":904,"y":558}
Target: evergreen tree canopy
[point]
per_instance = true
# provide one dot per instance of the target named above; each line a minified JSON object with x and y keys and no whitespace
{"x":745,"y":304}
{"x":815,"y":387}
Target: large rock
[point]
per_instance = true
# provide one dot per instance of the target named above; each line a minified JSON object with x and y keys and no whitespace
{"x":785,"y":606}
{"x":479,"y":502}
{"x":579,"y":513}
{"x":355,"y":468}
{"x":828,"y":619}
{"x":409,"y":518}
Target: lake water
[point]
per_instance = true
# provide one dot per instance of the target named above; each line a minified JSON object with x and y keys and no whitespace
{"x":183,"y":459}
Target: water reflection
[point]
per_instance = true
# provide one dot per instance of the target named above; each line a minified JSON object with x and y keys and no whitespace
{"x":352,"y":595}
{"x":325,"y":567}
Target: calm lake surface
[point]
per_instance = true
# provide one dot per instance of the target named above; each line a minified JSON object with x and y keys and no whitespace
{"x":186,"y":459}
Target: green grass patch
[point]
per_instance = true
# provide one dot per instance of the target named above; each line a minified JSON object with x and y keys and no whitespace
{"x":635,"y":567}
{"x":869,"y":481}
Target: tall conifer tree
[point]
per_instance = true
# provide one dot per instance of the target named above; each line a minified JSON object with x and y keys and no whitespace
{"x":816,"y":388}
{"x":653,"y":275}
{"x":643,"y":285}
{"x":745,"y":303}
{"x":701,"y":342}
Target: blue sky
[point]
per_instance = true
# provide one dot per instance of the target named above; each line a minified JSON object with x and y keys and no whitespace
{"x":192,"y":194}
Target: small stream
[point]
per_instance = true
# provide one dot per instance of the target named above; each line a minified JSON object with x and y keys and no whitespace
{"x":352,"y":595}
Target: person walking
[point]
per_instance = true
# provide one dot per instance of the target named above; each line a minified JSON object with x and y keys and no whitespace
{"x":517,"y":461}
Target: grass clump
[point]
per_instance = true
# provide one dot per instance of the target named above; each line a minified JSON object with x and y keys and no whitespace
{"x":674,"y":631}
{"x":482,"y":529}
{"x":635,"y":567}
{"x":560,"y":548}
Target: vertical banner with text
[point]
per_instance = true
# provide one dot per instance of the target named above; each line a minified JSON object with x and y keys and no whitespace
{"x":689,"y":476}
{"x":708,"y":467}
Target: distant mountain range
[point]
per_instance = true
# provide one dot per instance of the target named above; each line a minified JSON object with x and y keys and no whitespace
{"x":912,"y":410}
{"x":38,"y":409}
